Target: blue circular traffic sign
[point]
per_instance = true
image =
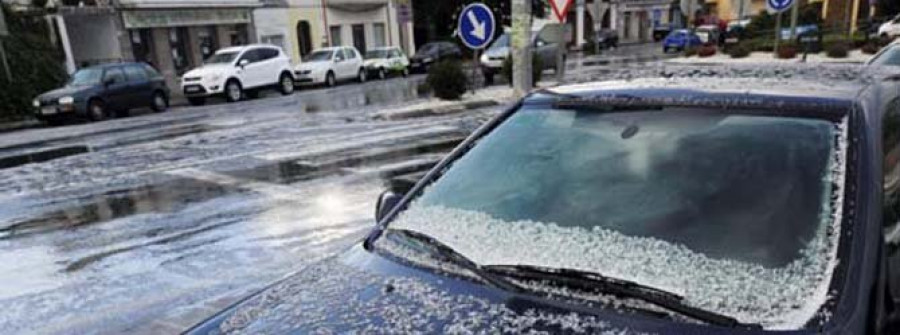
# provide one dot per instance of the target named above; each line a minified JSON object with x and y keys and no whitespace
{"x":476,"y":26}
{"x":779,"y":5}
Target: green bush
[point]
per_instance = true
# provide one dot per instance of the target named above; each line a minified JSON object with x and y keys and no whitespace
{"x":870,"y":48}
{"x":739,"y":51}
{"x":537,"y":70}
{"x":706,"y":51}
{"x":447,"y":79}
{"x":690,"y":52}
{"x":837,"y":50}
{"x":35,"y":64}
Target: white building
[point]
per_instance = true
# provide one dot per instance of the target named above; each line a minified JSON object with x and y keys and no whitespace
{"x":299,"y":26}
{"x":632,"y":19}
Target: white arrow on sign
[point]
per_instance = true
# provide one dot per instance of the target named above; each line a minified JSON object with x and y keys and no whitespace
{"x":478,"y":30}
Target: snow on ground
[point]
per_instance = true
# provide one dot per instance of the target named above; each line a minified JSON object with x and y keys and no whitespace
{"x":855,"y":56}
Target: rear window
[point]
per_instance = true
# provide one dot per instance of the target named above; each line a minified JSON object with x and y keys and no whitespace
{"x":676,"y":199}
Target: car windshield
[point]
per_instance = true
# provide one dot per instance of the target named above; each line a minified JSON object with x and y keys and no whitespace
{"x":890,"y":56}
{"x":501,"y":42}
{"x":319,"y":56}
{"x":428,"y":48}
{"x":377,"y":54}
{"x":86,"y":77}
{"x":716,"y":207}
{"x":222,"y":58}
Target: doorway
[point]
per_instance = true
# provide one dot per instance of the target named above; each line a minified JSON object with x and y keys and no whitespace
{"x":359,"y":37}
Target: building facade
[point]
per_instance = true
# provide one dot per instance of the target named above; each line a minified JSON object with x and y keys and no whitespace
{"x":300,"y":26}
{"x":633,"y":20}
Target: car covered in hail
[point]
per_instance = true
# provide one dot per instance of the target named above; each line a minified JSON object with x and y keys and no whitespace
{"x":646,"y":206}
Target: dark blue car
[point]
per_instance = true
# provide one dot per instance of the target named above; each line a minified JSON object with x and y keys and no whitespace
{"x":681,"y":39}
{"x":653,"y":207}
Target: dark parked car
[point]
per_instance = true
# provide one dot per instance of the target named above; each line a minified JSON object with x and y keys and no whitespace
{"x":431,"y":53}
{"x":99,"y":92}
{"x":607,"y":38}
{"x":640,"y":207}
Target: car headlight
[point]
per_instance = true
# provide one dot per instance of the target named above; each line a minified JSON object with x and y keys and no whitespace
{"x":428,"y":59}
{"x":484,"y":58}
{"x":66,"y":100}
{"x":36,"y":103}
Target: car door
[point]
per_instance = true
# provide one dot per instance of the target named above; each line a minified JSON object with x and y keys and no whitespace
{"x":339,"y":64}
{"x":272,"y":65}
{"x":140,"y":88}
{"x":115,"y":88}
{"x":355,"y":61}
{"x":348,"y":65}
{"x":546,"y":51}
{"x":249,"y":74}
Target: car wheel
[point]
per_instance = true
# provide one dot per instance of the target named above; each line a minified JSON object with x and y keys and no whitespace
{"x":406,"y":71}
{"x":381,"y":74}
{"x":160,"y":103}
{"x":96,"y":110}
{"x":233,"y":91}
{"x":329,"y":79}
{"x":197,"y":101}
{"x":286,"y":84}
{"x":361,"y":77}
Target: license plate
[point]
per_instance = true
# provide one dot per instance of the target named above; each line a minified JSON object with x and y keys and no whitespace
{"x":48,"y":110}
{"x":731,"y":40}
{"x":192,"y":89}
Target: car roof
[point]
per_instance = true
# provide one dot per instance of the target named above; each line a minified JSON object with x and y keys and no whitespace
{"x":109,"y":65}
{"x":240,"y":48}
{"x":382,"y":48}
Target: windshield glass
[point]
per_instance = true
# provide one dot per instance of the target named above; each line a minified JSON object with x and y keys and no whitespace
{"x":319,"y":56}
{"x":376,"y":54}
{"x":501,"y":42}
{"x":676,"y":200}
{"x":890,"y":56}
{"x":86,"y":77}
{"x":221,"y":58}
{"x":428,"y":48}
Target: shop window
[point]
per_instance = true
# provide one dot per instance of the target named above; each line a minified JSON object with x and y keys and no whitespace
{"x":304,"y":38}
{"x":178,"y":46}
{"x":379,"y":35}
{"x":335,"y":32}
{"x":206,"y":37}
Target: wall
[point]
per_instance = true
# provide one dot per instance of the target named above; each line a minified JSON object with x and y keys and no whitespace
{"x":274,"y":21}
{"x":311,"y":14}
{"x":346,"y":19}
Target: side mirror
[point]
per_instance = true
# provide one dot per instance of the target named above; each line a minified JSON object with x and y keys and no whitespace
{"x":386,"y":202}
{"x":243,"y":62}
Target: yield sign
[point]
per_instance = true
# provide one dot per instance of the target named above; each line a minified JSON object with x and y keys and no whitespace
{"x":561,"y":9}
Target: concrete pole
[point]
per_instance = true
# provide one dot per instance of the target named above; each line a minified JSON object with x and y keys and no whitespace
{"x":777,"y":32}
{"x":579,"y":24}
{"x":66,"y":44}
{"x":521,"y":47}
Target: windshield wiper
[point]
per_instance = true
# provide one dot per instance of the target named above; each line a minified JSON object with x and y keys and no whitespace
{"x":448,"y":254}
{"x":618,"y":287}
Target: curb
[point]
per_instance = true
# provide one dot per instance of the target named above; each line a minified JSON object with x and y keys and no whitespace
{"x":41,"y":156}
{"x":19,"y":125}
{"x":440,"y":110}
{"x":627,"y":60}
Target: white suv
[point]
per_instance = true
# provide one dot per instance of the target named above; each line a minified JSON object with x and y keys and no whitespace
{"x":233,"y":71}
{"x":891,"y":28}
{"x":329,"y":65}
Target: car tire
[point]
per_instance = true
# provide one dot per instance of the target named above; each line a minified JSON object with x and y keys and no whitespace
{"x":406,"y":71}
{"x":286,"y":84}
{"x":160,"y":102}
{"x":361,"y":76}
{"x":97,"y":110}
{"x":233,"y":91}
{"x":329,"y":79}
{"x":381,"y":74}
{"x":197,"y":101}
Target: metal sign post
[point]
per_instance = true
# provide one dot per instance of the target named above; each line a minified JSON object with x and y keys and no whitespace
{"x":778,"y":6}
{"x":476,"y":29}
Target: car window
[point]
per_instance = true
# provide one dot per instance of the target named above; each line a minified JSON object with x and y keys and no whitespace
{"x":251,"y":55}
{"x":135,"y":73}
{"x":647,"y":195}
{"x":150,"y":71}
{"x":86,"y":77}
{"x":339,"y":56}
{"x":115,"y":74}
{"x":891,"y":150}
{"x":267,"y":53}
{"x":395,"y":54}
{"x":350,"y":53}
{"x":890,"y":56}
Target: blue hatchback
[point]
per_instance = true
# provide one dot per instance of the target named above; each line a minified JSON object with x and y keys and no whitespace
{"x":681,"y":39}
{"x":630,"y":208}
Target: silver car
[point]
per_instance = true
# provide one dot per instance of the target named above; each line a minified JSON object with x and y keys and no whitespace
{"x":492,"y":59}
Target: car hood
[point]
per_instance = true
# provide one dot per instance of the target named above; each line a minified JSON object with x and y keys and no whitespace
{"x":374,"y":62}
{"x":421,"y":56}
{"x":64,"y":92}
{"x":208,"y":70}
{"x":498,"y":52}
{"x":313,"y":66}
{"x":363,"y":292}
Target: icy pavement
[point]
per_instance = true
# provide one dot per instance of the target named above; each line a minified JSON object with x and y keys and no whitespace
{"x":855,"y":56}
{"x":174,"y":216}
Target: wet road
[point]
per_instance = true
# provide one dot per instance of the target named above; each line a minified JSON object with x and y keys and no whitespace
{"x":172,"y":217}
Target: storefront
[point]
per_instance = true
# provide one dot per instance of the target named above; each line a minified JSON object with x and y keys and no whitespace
{"x":176,"y":40}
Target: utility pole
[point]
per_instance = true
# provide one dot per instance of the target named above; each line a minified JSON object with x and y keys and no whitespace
{"x":521,"y":46}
